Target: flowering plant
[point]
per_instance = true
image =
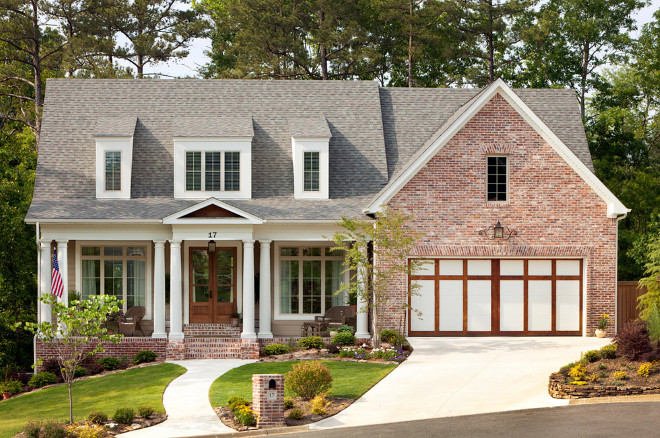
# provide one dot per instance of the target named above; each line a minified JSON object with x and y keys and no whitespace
{"x":604,"y":321}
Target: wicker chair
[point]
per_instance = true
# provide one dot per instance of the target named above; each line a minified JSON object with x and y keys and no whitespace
{"x":333,"y":317}
{"x":129,"y":324}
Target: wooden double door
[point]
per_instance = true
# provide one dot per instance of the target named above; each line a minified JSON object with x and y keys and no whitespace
{"x":212,"y":285}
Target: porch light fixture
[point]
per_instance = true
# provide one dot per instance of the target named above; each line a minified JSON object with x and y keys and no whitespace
{"x":211,"y":246}
{"x":498,"y":232}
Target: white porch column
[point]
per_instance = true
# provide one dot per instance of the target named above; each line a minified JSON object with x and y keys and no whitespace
{"x":159,"y":290}
{"x":176,"y":301}
{"x":63,"y":261}
{"x":362,"y":329}
{"x":264,"y":290}
{"x":248,"y":290}
{"x":46,"y":276}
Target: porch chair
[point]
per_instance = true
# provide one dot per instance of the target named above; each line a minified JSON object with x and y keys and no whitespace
{"x":334,"y":317}
{"x":129,"y":324}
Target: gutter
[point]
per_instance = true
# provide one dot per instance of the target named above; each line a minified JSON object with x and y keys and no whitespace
{"x":616,"y":271}
{"x":34,"y":339}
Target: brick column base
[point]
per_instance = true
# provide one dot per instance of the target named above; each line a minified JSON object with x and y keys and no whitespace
{"x":269,"y":410}
{"x":249,"y":349}
{"x":176,"y":349}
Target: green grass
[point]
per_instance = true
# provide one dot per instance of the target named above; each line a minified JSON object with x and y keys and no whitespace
{"x":132,"y":388}
{"x":349,"y":379}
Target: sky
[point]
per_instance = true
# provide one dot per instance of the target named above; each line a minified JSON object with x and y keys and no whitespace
{"x":188,"y":67}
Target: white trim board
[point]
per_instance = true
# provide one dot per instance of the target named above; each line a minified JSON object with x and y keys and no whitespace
{"x":614,"y":206}
{"x":246,"y":218}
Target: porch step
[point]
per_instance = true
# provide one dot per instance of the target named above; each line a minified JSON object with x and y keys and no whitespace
{"x":210,"y":329}
{"x":212,"y":348}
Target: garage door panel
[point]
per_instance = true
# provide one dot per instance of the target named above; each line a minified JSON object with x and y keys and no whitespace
{"x":425,"y":267}
{"x":568,"y":305}
{"x":451,"y":267}
{"x":568,"y":267}
{"x":479,"y":267}
{"x":423,"y":301}
{"x":451,"y":305}
{"x":512,"y":267}
{"x":540,"y":305}
{"x":540,"y":267}
{"x":479,"y":305}
{"x":512,"y":305}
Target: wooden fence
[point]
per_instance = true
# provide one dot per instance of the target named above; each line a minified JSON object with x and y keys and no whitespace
{"x":627,"y":293}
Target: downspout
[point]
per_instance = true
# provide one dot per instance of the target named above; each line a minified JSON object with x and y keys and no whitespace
{"x":34,"y":339}
{"x":616,"y":272}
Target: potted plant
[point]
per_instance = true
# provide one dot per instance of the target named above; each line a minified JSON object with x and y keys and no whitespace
{"x":603,"y":322}
{"x":235,"y":317}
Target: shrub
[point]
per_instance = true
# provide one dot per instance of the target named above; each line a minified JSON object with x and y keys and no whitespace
{"x":592,"y":355}
{"x":645,"y":369}
{"x":11,"y":386}
{"x":620,"y":375}
{"x":124,"y":415}
{"x":245,"y":416}
{"x":144,"y":356}
{"x":124,"y":361}
{"x":296,"y":414}
{"x":235,"y":402}
{"x":346,"y":328}
{"x":308,"y":379}
{"x":32,"y":429}
{"x":288,"y":403}
{"x":42,"y":378}
{"x":97,"y":417}
{"x":578,"y":372}
{"x":145,"y":411}
{"x":632,"y":340}
{"x":566,"y":368}
{"x":319,"y":405}
{"x":92,"y":366}
{"x":311,"y":342}
{"x":602,"y":366}
{"x":53,"y":429}
{"x":608,"y":351}
{"x":109,"y":363}
{"x":52,"y":366}
{"x":274,"y":349}
{"x":593,"y":377}
{"x":86,"y":431}
{"x":344,"y":338}
{"x":387,"y":335}
{"x":80,"y":372}
{"x":332,"y":348}
{"x":617,"y":383}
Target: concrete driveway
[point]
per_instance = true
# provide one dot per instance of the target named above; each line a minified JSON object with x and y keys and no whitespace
{"x":461,"y":376}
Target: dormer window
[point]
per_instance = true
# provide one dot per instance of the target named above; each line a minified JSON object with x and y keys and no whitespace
{"x":206,"y":172}
{"x":311,"y":171}
{"x":113,"y":171}
{"x":311,"y":157}
{"x":114,"y":156}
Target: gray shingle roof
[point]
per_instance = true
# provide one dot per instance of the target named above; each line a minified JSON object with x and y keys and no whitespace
{"x":374,"y":131}
{"x":123,"y":126}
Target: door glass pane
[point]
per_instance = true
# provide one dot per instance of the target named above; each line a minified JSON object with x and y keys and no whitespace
{"x":424,"y":302}
{"x":289,"y":286}
{"x":200,"y":258}
{"x":225,"y":258}
{"x":311,"y":286}
{"x":135,"y":278}
{"x":225,"y":294}
{"x":200,"y":294}
{"x":91,"y":278}
{"x":333,"y":276}
{"x":112,"y":277}
{"x":200,"y":275}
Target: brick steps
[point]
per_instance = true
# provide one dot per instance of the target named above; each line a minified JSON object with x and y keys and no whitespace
{"x":212,"y":348}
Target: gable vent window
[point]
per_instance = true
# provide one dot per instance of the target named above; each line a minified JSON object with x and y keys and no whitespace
{"x":212,"y":171}
{"x":497,"y":178}
{"x":113,"y":171}
{"x":311,"y":172}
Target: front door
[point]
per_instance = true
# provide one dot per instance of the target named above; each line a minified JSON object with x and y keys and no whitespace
{"x":212,"y":285}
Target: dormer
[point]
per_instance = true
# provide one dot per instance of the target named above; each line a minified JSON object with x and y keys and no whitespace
{"x":213,"y":157}
{"x":114,"y":156}
{"x":310,"y":142}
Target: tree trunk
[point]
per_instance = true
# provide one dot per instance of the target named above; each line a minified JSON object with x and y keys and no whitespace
{"x":410,"y":46}
{"x":68,"y":385}
{"x":36,"y":60}
{"x":585,"y":72}
{"x":324,"y":64}
{"x":140,"y":66}
{"x":491,"y":54}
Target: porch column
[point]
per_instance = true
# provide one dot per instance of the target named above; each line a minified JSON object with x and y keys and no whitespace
{"x":63,"y":261}
{"x":248,"y":290}
{"x":264,"y":290}
{"x":362,"y":329}
{"x":176,"y":301}
{"x":159,"y":289}
{"x":46,"y":276}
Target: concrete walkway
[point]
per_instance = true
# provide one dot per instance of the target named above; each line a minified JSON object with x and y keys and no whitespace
{"x":462,"y":376}
{"x":186,"y":401}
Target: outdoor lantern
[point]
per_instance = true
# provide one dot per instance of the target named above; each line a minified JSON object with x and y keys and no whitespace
{"x":211,"y":246}
{"x":498,"y":231}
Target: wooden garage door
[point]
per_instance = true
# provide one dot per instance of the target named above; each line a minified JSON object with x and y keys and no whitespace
{"x":529,"y":297}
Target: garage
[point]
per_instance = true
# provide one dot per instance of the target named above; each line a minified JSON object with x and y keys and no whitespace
{"x":480,"y":297}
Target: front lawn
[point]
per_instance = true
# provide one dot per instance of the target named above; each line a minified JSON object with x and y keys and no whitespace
{"x":349,"y":379}
{"x":131,"y":388}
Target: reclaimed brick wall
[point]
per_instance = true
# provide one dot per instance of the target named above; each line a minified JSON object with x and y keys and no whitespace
{"x":554,"y":211}
{"x":269,"y":413}
{"x":223,"y":330}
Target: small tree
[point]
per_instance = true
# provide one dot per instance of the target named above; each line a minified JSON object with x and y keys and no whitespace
{"x":371,"y":276}
{"x":649,"y":302}
{"x":77,"y":334}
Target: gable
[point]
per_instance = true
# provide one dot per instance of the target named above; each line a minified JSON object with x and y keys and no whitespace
{"x":211,"y":211}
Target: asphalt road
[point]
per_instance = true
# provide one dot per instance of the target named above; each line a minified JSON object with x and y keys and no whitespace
{"x":641,"y":419}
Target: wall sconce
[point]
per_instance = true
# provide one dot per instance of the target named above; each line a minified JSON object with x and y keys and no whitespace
{"x":211,"y":246}
{"x":498,"y":232}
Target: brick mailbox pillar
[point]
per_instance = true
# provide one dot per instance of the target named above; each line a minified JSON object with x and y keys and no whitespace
{"x":268,"y":399}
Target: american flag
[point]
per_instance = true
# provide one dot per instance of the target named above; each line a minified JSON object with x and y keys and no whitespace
{"x":57,"y":287}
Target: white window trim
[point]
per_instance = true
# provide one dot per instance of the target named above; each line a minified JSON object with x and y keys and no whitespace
{"x":209,"y":144}
{"x":508,"y":186}
{"x":277,"y":314}
{"x":148,"y":268}
{"x":299,"y":147}
{"x":123,"y":145}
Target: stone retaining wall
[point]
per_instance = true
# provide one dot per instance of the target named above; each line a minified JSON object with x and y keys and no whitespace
{"x":558,"y":389}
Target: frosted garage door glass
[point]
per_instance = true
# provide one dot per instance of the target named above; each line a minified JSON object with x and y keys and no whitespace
{"x":540,"y":267}
{"x":451,"y":305}
{"x":568,"y":267}
{"x":512,"y":267}
{"x":479,"y":305}
{"x":423,"y":301}
{"x":451,"y":267}
{"x":478,"y":267}
{"x":568,"y":305}
{"x":425,"y":267}
{"x":540,"y":305}
{"x":512,"y":306}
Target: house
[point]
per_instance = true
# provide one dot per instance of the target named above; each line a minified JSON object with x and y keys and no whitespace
{"x":197,"y":199}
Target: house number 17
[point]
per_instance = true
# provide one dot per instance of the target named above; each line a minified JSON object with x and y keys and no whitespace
{"x":212,"y":234}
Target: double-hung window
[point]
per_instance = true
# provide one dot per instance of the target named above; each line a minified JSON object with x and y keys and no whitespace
{"x":311,"y":172}
{"x":498,"y":178}
{"x":213,"y":171}
{"x":112,"y":170}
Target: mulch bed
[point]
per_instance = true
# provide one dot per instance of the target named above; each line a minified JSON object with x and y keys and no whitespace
{"x":138,"y":423}
{"x":336,"y":405}
{"x":322,"y":354}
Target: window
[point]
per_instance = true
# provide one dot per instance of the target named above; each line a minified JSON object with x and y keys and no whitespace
{"x":204,"y":172}
{"x":309,"y":278}
{"x":311,"y":172}
{"x":113,"y":170}
{"x":497,"y":178}
{"x":119,"y":271}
